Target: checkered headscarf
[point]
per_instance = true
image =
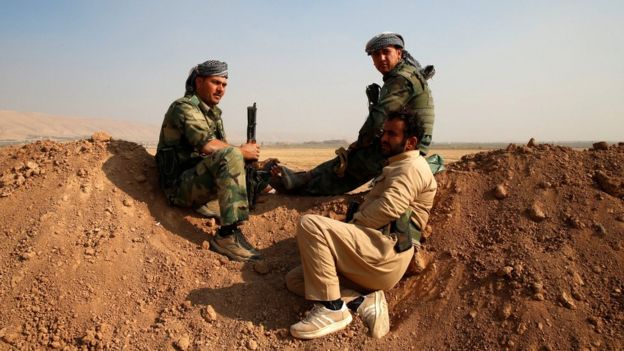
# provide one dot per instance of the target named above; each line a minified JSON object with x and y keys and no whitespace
{"x":208,"y":68}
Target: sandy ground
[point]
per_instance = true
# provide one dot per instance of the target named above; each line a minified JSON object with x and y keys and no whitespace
{"x":525,"y":252}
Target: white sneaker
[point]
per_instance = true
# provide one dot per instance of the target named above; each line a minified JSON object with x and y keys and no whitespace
{"x":374,"y":311}
{"x":321,"y":321}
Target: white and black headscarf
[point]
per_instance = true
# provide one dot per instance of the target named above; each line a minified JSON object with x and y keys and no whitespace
{"x":384,"y":39}
{"x":208,"y":68}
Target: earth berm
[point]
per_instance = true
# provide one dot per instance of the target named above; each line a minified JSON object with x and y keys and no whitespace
{"x":524,"y":251}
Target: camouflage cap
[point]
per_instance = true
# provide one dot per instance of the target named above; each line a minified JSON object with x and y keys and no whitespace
{"x":208,"y":68}
{"x":382,"y":40}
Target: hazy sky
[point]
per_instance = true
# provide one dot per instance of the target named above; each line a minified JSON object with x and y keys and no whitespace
{"x":506,"y":70}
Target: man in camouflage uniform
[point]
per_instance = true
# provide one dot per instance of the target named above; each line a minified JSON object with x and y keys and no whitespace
{"x":405,"y":90}
{"x":197,"y":165}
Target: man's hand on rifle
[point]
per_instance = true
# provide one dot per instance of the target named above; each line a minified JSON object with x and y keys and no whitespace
{"x":251,"y":151}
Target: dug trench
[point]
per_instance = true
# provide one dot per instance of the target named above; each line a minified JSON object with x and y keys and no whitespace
{"x":524,"y":250}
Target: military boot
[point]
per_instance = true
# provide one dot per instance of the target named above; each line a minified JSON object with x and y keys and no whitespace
{"x":234,"y":246}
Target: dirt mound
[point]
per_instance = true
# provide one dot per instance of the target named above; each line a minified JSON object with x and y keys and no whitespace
{"x":526,"y":252}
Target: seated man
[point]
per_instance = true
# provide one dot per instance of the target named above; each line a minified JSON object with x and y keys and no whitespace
{"x":196,"y":164}
{"x":374,"y":249}
{"x":405,"y":87}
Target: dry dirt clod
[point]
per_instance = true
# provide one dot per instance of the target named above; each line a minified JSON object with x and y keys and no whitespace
{"x":261,"y":267}
{"x":545,"y":184}
{"x":600,"y":229}
{"x":10,"y":338}
{"x":577,"y":279}
{"x":205,"y":245}
{"x":500,"y":192}
{"x":538,"y":296}
{"x":522,"y":328}
{"x":537,"y":286}
{"x":252,"y":344}
{"x":532,"y":143}
{"x":567,"y":300}
{"x":100,"y":137}
{"x":183,"y":342}
{"x":506,"y":311}
{"x":595,"y":321}
{"x":505,"y":271}
{"x":420,"y":261}
{"x":612,"y":185}
{"x":601,"y":145}
{"x":27,"y":255}
{"x":208,"y":313}
{"x":536,"y":213}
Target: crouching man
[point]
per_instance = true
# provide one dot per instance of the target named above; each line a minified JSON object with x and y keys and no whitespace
{"x":373,"y":250}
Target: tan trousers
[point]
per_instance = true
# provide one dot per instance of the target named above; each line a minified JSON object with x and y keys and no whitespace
{"x":330,"y":248}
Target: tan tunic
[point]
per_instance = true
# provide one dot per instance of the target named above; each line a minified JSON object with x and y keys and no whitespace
{"x":405,"y":182}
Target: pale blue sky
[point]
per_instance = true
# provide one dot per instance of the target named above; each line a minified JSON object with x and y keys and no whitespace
{"x":506,"y":70}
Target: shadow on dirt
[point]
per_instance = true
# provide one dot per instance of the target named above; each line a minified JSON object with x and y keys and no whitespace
{"x":262,"y":298}
{"x":133,"y":170}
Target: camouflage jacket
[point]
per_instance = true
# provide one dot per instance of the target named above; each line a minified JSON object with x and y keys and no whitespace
{"x":188,"y":125}
{"x":404,"y":87}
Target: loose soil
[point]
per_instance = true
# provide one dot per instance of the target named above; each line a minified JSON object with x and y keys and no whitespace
{"x":524,"y":251}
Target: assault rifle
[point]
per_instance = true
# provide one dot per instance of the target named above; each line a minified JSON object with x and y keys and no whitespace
{"x":256,"y":179}
{"x":251,"y":123}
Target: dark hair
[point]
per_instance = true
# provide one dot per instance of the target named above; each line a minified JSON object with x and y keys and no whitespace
{"x":413,"y":123}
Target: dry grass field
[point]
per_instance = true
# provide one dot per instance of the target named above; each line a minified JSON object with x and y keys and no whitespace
{"x":302,"y":159}
{"x":306,"y":158}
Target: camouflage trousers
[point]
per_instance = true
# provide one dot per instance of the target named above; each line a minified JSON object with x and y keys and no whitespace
{"x":363,"y":164}
{"x":221,"y":175}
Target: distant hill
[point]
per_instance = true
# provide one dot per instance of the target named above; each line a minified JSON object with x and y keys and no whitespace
{"x":23,"y":127}
{"x":19,"y":127}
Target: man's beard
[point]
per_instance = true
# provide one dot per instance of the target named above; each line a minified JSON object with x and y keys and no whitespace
{"x":393,"y":151}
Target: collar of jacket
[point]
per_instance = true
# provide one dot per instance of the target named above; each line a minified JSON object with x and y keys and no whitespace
{"x":404,"y":155}
{"x":213,"y":111}
{"x":394,"y":71}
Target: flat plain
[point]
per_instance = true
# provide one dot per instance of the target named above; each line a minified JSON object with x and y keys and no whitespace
{"x":306,"y":158}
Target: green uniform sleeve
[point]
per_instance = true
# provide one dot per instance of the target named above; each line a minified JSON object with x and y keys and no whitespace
{"x":197,"y":129}
{"x":395,"y":93}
